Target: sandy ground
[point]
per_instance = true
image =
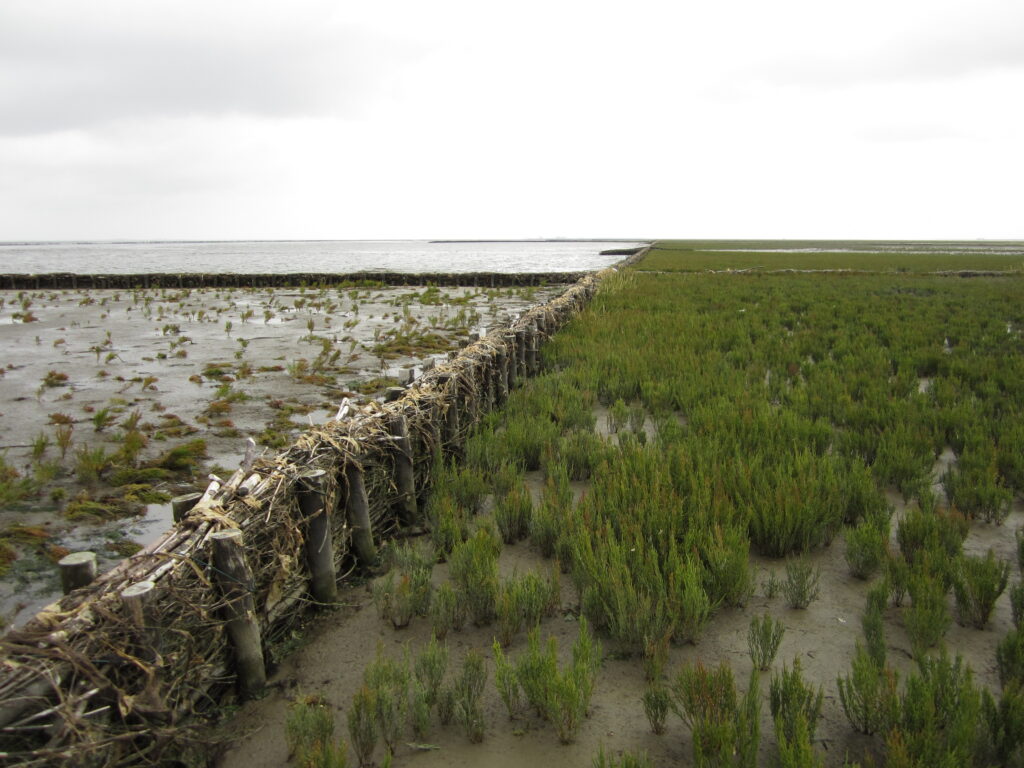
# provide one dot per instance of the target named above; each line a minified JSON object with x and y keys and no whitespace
{"x":339,"y":646}
{"x":148,"y":352}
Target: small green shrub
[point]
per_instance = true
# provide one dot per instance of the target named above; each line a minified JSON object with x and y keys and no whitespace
{"x":534,"y":668}
{"x":725,"y":730}
{"x":927,"y":618}
{"x":921,"y":531}
{"x":792,"y":699}
{"x":624,"y":760}
{"x":474,"y":570}
{"x":1004,"y":727}
{"x":512,"y":513}
{"x":873,"y":625}
{"x":657,"y":702}
{"x":869,"y":694}
{"x":1017,"y":603}
{"x":308,"y":728}
{"x":507,"y":683}
{"x":449,"y":525}
{"x":795,"y":748}
{"x":429,"y":669}
{"x":469,"y":686}
{"x":801,"y":584}
{"x":362,"y":725}
{"x":694,"y":606}
{"x":1010,"y":658}
{"x":977,"y":584}
{"x":447,"y":611}
{"x":866,"y":546}
{"x":763,"y":639}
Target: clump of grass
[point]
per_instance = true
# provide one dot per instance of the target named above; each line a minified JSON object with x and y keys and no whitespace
{"x":181,"y":459}
{"x":763,"y":639}
{"x":657,"y":701}
{"x":726,"y":729}
{"x":469,"y":687}
{"x":429,"y":669}
{"x":512,"y":513}
{"x":507,"y":682}
{"x":869,"y":694}
{"x":447,"y":611}
{"x":309,"y":732}
{"x":927,"y":618}
{"x":801,"y":584}
{"x":792,"y":698}
{"x":363,"y":731}
{"x":977,"y":584}
{"x":866,"y":545}
{"x":1010,"y":658}
{"x":474,"y":571}
{"x":449,"y":525}
{"x":922,"y":531}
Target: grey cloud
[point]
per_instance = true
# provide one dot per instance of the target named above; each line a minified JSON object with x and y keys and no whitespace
{"x":78,"y":70}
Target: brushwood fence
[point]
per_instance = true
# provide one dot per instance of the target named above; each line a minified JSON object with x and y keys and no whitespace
{"x":115,"y":673}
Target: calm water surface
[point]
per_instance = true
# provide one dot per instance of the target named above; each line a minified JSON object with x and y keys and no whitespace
{"x":306,"y":256}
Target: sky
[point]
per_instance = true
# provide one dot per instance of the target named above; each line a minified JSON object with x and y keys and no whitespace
{"x":307,"y":119}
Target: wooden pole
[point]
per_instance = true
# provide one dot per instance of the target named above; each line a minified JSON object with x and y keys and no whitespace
{"x":323,"y":585}
{"x":501,"y":368}
{"x":77,"y":570}
{"x":513,"y":359}
{"x":521,"y":371}
{"x":531,"y":351}
{"x":234,"y":578}
{"x":405,"y":478}
{"x":357,"y":509}
{"x":136,"y":599}
{"x":451,"y":422}
{"x":180,"y":505}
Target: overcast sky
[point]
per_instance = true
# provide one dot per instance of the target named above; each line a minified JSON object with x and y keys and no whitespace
{"x":147,"y":119}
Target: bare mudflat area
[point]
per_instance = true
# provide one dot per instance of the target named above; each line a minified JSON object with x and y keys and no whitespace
{"x":112,"y":402}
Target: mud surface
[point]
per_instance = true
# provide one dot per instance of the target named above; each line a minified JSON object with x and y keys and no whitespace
{"x":220,"y":365}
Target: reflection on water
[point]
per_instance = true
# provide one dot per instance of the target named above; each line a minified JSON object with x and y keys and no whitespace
{"x":306,"y":256}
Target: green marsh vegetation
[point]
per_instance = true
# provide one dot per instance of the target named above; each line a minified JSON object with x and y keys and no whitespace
{"x":789,"y":411}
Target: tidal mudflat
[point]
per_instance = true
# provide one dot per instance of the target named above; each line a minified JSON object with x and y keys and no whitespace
{"x":112,"y":402}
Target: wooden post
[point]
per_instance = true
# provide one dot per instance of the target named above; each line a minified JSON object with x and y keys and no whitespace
{"x":180,"y":505}
{"x":531,"y":351}
{"x":501,"y":376}
{"x":77,"y":570}
{"x":512,"y":362}
{"x":405,"y":478}
{"x":136,"y":599}
{"x":357,"y":509}
{"x":451,"y":422}
{"x":393,"y":393}
{"x":323,"y":585}
{"x":521,"y":372}
{"x":234,"y":578}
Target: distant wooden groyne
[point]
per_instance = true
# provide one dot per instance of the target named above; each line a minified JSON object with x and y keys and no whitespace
{"x":142,"y":280}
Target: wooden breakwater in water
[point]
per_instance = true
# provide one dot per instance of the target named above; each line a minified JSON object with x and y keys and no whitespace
{"x":73,"y":281}
{"x":114,"y":673}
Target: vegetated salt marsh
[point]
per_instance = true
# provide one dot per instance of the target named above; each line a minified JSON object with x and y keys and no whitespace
{"x":111,"y":402}
{"x":788,"y":548}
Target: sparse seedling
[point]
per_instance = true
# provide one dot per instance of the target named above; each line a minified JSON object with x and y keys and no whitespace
{"x":801,"y":584}
{"x":763,"y":639}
